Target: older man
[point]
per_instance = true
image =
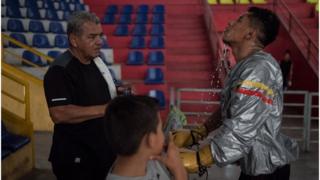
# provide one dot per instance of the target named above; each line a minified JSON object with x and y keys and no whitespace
{"x":78,"y":87}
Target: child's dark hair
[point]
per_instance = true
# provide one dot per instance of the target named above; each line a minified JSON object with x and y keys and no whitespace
{"x":128,"y":119}
{"x":267,"y":22}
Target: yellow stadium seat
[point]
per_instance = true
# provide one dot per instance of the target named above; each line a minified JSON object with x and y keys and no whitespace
{"x":259,"y":1}
{"x":212,"y":1}
{"x":226,"y":1}
{"x":312,"y":1}
{"x":243,"y":1}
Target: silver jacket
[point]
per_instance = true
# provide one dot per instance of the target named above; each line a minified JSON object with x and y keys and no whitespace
{"x":251,"y":105}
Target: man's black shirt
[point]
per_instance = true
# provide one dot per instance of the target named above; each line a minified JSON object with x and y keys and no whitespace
{"x":68,"y":81}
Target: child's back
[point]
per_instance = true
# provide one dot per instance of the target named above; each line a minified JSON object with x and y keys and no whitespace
{"x":134,"y":130}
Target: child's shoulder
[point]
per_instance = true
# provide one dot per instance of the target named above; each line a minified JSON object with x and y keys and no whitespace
{"x":156,"y":170}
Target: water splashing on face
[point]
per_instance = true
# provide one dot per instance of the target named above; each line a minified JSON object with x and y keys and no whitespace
{"x":215,"y":82}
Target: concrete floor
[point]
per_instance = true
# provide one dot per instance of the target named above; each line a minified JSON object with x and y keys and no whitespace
{"x":305,"y":168}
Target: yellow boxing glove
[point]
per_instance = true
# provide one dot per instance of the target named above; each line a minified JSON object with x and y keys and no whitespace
{"x":187,"y":137}
{"x":192,"y":163}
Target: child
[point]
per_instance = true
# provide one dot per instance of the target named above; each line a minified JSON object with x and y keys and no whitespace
{"x":134,"y":131}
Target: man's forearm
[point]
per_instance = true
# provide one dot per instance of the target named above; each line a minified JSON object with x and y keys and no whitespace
{"x":76,"y":114}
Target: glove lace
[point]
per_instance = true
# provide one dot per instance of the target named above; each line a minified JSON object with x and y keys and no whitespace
{"x":202,"y":169}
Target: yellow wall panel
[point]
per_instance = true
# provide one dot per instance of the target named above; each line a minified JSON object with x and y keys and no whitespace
{"x":39,"y":114}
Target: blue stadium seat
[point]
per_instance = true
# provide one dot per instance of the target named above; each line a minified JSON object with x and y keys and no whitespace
{"x":35,"y":59}
{"x":13,"y":3}
{"x":159,"y":9}
{"x":36,"y":27}
{"x":125,"y":19}
{"x":11,"y":141}
{"x":143,"y":9}
{"x":79,"y":7}
{"x":137,"y":43}
{"x":31,"y":4}
{"x":156,"y":58}
{"x":157,"y":30}
{"x":154,"y":76}
{"x":121,"y":30}
{"x":156,"y":42}
{"x":135,"y":58}
{"x":61,"y":41}
{"x":159,"y":95}
{"x":108,"y":19}
{"x":158,"y":19}
{"x":33,"y":13}
{"x":51,"y":15}
{"x":142,"y":19}
{"x":75,"y":1}
{"x":40,"y":41}
{"x":66,"y":15}
{"x":15,"y":25}
{"x":18,"y":37}
{"x":54,"y":54}
{"x":139,"y":30}
{"x":112,"y":9}
{"x":64,"y":6}
{"x":13,"y":12}
{"x":48,"y":4}
{"x":127,"y":9}
{"x":56,"y":27}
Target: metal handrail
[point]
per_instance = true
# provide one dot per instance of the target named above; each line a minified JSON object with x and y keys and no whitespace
{"x":309,"y":43}
{"x":306,"y":105}
{"x":310,"y":117}
{"x":18,"y":43}
{"x":296,"y":21}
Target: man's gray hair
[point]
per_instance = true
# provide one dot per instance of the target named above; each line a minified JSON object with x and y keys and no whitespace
{"x":77,"y":19}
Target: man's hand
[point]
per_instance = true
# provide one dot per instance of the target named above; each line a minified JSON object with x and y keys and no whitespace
{"x":172,"y":161}
{"x":125,"y":89}
{"x":192,"y":163}
{"x":188,"y":137}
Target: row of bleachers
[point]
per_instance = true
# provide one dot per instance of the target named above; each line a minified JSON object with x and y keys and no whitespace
{"x":105,"y":54}
{"x":35,"y":26}
{"x":138,"y":42}
{"x":139,"y":30}
{"x":45,"y":14}
{"x":154,"y":58}
{"x":133,"y":19}
{"x":141,"y":9}
{"x":43,"y":40}
{"x":47,"y":4}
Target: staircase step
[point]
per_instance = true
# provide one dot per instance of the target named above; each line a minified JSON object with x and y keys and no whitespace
{"x":309,"y":23}
{"x":189,"y":51}
{"x":194,"y":84}
{"x":184,"y":9}
{"x":191,"y":37}
{"x":181,"y":59}
{"x":185,"y":76}
{"x":301,"y":10}
{"x":188,"y":67}
{"x":197,"y":25}
{"x":187,"y":44}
